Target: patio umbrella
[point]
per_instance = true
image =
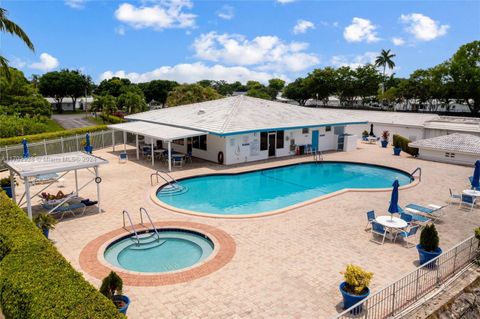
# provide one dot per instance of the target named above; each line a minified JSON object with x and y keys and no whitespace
{"x":371,"y":130}
{"x":88,"y":147}
{"x":393,"y":208}
{"x":476,"y":175}
{"x":25,"y":149}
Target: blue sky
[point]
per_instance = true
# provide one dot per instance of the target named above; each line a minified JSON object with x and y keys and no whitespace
{"x":188,"y":40}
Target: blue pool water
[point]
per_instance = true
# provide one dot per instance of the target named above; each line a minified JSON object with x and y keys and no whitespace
{"x":272,"y":189}
{"x":174,"y":250}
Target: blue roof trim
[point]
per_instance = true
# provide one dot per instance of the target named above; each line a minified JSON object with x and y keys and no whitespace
{"x":286,"y":128}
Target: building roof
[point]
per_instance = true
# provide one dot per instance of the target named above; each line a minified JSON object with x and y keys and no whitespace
{"x":156,"y":131}
{"x":241,"y":114}
{"x":55,"y":163}
{"x":457,"y":142}
{"x":459,"y":124}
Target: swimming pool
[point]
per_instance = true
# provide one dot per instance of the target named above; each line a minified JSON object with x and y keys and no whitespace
{"x":276,"y":188}
{"x":169,"y":251}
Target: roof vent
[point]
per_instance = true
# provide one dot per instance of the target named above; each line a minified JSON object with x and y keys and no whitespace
{"x":201,"y":111}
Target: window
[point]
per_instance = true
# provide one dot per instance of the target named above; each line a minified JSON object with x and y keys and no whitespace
{"x":263,"y":141}
{"x":450,"y":155}
{"x":180,"y":141}
{"x":305,"y":130}
{"x":280,"y":139}
{"x":328,"y":128}
{"x":200,"y":142}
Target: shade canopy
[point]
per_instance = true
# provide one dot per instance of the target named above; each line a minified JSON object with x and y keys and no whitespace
{"x":156,"y":131}
{"x":393,"y":208}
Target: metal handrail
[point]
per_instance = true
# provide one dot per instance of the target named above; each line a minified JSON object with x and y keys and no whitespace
{"x":131,"y":224}
{"x":148,"y":216}
{"x":166,"y":173}
{"x":157,"y":174}
{"x":317,"y":156}
{"x":419,"y":169}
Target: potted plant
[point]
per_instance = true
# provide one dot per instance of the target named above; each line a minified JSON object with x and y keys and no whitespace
{"x":396,"y":147}
{"x":112,"y":288}
{"x":365,"y":135}
{"x":6,"y":185}
{"x":428,"y":248}
{"x":45,"y":222}
{"x":355,"y":287}
{"x":477,"y":235}
{"x":385,"y":136}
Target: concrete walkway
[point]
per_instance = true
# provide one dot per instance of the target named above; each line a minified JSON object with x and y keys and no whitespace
{"x":69,"y":121}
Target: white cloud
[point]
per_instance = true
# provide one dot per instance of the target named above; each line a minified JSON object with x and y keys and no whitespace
{"x":354,"y":61}
{"x":190,"y":73}
{"x":360,"y":30}
{"x":263,"y":52}
{"x":17,"y":63}
{"x":285,"y":1}
{"x":226,"y":12}
{"x":166,"y":14}
{"x":75,"y":4}
{"x":120,"y":30}
{"x":423,"y":28}
{"x":398,"y":41}
{"x":302,"y":26}
{"x":46,"y":63}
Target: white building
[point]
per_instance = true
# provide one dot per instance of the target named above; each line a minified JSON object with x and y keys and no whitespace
{"x":81,"y":103}
{"x":454,"y":148}
{"x":243,"y":129}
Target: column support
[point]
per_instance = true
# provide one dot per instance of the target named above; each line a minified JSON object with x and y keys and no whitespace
{"x":28,"y":199}
{"x":136,"y":144}
{"x":169,"y":156}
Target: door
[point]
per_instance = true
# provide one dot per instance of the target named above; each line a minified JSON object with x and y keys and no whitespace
{"x":314,"y":141}
{"x":271,"y":144}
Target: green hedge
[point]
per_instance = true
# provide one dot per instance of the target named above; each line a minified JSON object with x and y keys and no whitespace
{"x":36,"y":281}
{"x":402,"y":142}
{"x":50,"y":135}
{"x":111,"y":119}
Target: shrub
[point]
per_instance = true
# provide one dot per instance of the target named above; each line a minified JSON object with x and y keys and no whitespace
{"x":111,"y":119}
{"x":357,"y":279}
{"x":45,"y":221}
{"x":51,"y":135}
{"x":385,"y":135}
{"x":365,"y":133}
{"x":111,"y":285}
{"x":402,"y":142}
{"x":35,"y":279}
{"x":429,"y":238}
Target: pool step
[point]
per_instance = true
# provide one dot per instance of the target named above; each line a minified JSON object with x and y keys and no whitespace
{"x":147,"y":245}
{"x":175,"y":189}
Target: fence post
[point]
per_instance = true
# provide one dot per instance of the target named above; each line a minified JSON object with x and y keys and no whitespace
{"x":61,"y":142}
{"x":45,"y":146}
{"x":6,"y":152}
{"x":76,"y":140}
{"x":103,"y":140}
{"x":416,"y":284}
{"x":437,"y":263}
{"x":393,"y":298}
{"x":470,"y":251}
{"x":455,"y":259}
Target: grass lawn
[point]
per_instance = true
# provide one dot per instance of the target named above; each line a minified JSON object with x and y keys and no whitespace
{"x":53,"y":126}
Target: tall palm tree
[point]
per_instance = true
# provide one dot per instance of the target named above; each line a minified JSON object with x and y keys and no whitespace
{"x":11,"y":27}
{"x":384,"y":60}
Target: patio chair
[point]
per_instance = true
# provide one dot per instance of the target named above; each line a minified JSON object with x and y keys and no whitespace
{"x":188,"y":157}
{"x":468,"y":200}
{"x":433,"y":211}
{"x":412,"y":232}
{"x":453,"y":196}
{"x":147,"y":152}
{"x":177,"y":161}
{"x":378,"y":230}
{"x":66,"y":208}
{"x":416,"y":218}
{"x":406,"y":217}
{"x":370,"y":218}
{"x":123,"y":157}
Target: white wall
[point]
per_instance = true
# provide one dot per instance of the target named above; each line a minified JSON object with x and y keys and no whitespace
{"x":215,"y":144}
{"x":412,"y":133}
{"x":439,"y":156}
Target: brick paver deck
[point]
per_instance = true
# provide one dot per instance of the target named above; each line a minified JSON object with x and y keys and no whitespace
{"x":286,"y":265}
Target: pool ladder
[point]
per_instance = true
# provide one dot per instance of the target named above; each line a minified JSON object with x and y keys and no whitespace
{"x":419,"y":170}
{"x":131,"y":225}
{"x":142,"y":211}
{"x":172,"y":182}
{"x":317,"y":156}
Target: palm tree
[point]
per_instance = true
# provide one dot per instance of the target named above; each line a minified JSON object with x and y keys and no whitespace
{"x":11,"y":27}
{"x":384,"y":60}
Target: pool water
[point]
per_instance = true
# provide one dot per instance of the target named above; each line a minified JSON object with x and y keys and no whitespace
{"x":171,"y":250}
{"x":271,"y":189}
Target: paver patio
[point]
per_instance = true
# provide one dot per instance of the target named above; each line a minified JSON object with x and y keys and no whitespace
{"x":286,"y":265}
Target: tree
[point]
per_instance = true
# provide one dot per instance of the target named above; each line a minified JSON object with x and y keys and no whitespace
{"x":157,"y":90}
{"x":8,"y":26}
{"x":77,"y":85}
{"x":384,"y":60}
{"x":274,"y":87}
{"x":104,"y":103}
{"x":465,"y":73}
{"x":53,"y":84}
{"x":298,"y":91}
{"x":321,"y":83}
{"x":346,"y":85}
{"x":191,"y":93}
{"x":259,"y":93}
{"x":131,"y":102}
{"x":114,"y":86}
{"x":367,"y":82}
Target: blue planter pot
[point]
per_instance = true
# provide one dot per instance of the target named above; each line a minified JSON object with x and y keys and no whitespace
{"x":426,"y":256}
{"x":349,"y":300}
{"x":384,"y":144}
{"x":397,"y":151}
{"x":45,"y":231}
{"x":125,"y":299}
{"x":8,"y":190}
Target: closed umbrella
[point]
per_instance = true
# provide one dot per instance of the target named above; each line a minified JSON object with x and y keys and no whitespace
{"x":393,"y":208}
{"x":88,"y":147}
{"x":371,"y":130}
{"x":476,"y":175}
{"x":25,"y":149}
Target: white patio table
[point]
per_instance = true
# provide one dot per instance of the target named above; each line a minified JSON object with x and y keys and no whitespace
{"x":471,"y":192}
{"x":393,"y":223}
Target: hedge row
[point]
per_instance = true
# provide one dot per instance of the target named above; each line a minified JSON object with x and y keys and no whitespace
{"x":36,"y":281}
{"x":111,"y":119}
{"x":50,"y":135}
{"x":402,"y":142}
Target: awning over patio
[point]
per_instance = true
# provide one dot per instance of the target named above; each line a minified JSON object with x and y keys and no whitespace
{"x":155,"y":131}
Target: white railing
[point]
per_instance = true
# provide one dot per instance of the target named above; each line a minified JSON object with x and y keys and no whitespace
{"x":404,"y":292}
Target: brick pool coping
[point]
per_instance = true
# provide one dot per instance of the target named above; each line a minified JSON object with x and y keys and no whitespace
{"x":92,"y":261}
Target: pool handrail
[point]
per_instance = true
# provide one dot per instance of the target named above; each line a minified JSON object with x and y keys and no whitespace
{"x":419,"y":170}
{"x":143,"y":210}
{"x":131,"y":224}
{"x":157,"y":173}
